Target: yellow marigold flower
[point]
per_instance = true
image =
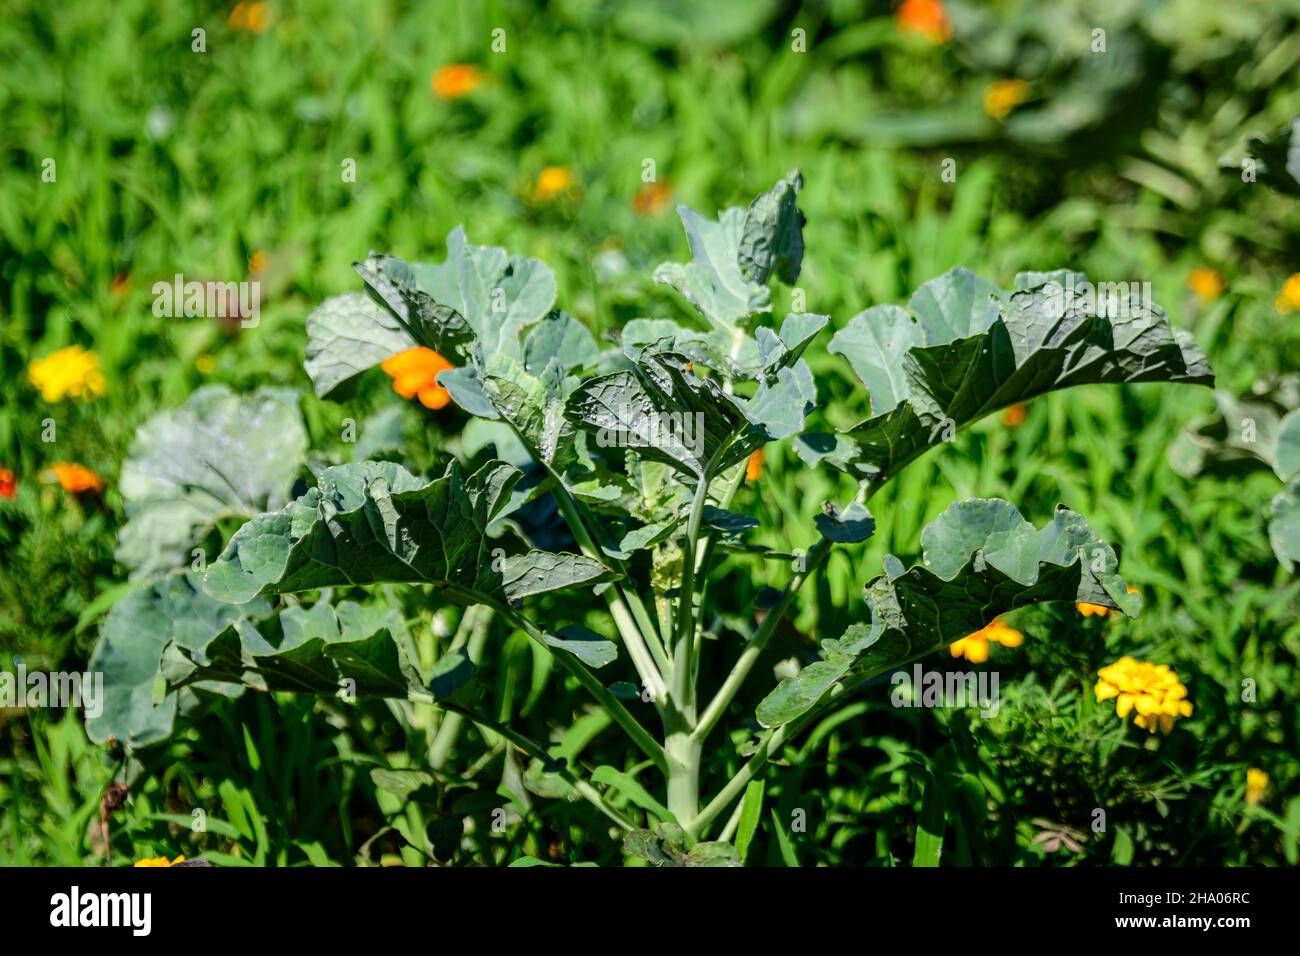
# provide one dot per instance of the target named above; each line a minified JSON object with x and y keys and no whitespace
{"x":975,"y":647}
{"x":250,"y":17}
{"x":415,"y":373}
{"x":1003,"y":96}
{"x":1288,"y":300}
{"x":754,"y":467}
{"x":651,"y":198}
{"x":1205,"y":282}
{"x":1153,"y":691}
{"x":924,"y":17}
{"x":258,"y":262}
{"x":1256,"y":785}
{"x":69,"y":372}
{"x":455,"y":80}
{"x":551,"y":182}
{"x":159,"y":861}
{"x":73,"y":478}
{"x":1015,"y":415}
{"x":8,"y":484}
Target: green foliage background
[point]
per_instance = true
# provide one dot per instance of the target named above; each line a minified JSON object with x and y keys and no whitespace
{"x":171,"y":161}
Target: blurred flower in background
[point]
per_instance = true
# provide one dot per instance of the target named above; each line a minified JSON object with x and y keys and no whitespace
{"x":926,"y":18}
{"x":1003,"y":96}
{"x":73,"y":478}
{"x":651,"y":198}
{"x":250,"y":17}
{"x":456,"y":80}
{"x":1205,"y":282}
{"x":1256,"y":786}
{"x":551,"y":182}
{"x":70,"y":372}
{"x":1288,"y":300}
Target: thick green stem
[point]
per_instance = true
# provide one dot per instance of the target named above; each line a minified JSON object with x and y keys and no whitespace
{"x":768,"y":746}
{"x":620,"y":609}
{"x":683,"y":755}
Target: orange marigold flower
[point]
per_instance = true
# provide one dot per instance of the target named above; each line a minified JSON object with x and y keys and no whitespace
{"x":1003,"y":96}
{"x":1015,"y":415}
{"x":456,"y":80}
{"x":924,"y":17}
{"x":250,"y":17}
{"x":975,"y":647}
{"x":415,"y":374}
{"x":73,"y":478}
{"x":1206,"y":283}
{"x":8,"y":484}
{"x":258,"y":262}
{"x":754,"y":467}
{"x":159,"y":861}
{"x":651,"y":198}
{"x":121,"y":284}
{"x":551,"y":182}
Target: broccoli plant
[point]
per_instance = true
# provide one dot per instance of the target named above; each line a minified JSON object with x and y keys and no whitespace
{"x":639,"y":449}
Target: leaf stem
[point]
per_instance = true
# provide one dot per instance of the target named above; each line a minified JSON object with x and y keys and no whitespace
{"x":624,"y":617}
{"x":683,"y":683}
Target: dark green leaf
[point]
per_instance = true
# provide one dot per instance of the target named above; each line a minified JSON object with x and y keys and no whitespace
{"x":979,"y":559}
{"x":374,"y":522}
{"x":1053,"y":332}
